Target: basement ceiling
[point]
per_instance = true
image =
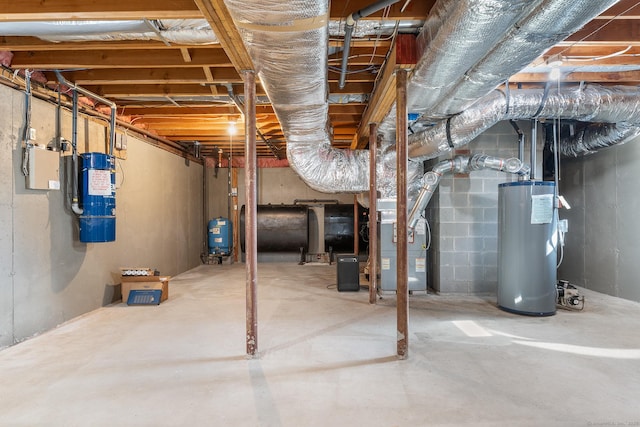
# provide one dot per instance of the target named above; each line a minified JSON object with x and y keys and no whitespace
{"x":180,"y":90}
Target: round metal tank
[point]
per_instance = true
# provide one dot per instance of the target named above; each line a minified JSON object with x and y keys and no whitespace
{"x":527,"y":238}
{"x":97,"y":198}
{"x":220,"y":236}
{"x":338,"y":228}
{"x":280,"y":228}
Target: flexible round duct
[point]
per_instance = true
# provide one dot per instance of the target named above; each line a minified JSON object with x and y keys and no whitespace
{"x":593,"y":103}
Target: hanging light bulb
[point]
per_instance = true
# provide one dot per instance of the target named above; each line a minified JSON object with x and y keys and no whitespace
{"x":232,"y":127}
{"x":554,"y":74}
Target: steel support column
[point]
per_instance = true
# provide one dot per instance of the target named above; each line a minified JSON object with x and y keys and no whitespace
{"x":401,"y":214}
{"x":373,"y":213}
{"x":356,"y":227}
{"x":251,"y":235}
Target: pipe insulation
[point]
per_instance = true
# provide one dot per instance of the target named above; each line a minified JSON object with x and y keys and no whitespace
{"x":178,"y":31}
{"x":288,"y":44}
{"x":591,"y":103}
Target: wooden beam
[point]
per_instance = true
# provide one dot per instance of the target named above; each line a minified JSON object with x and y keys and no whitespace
{"x":187,"y":111}
{"x":592,"y":51}
{"x":142,"y":76}
{"x":371,"y":42}
{"x":416,"y":9}
{"x":17,"y":44}
{"x":213,"y":57}
{"x":128,"y":91}
{"x":69,"y":10}
{"x":626,"y":77}
{"x":355,"y":88}
{"x":220,"y":20}
{"x":186,"y":56}
{"x":620,"y":30}
{"x":631,"y":9}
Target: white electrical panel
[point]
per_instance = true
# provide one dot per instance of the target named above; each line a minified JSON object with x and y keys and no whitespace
{"x":43,"y":168}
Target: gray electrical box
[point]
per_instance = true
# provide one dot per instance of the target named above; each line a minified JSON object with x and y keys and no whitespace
{"x":44,"y":169}
{"x":416,"y":251}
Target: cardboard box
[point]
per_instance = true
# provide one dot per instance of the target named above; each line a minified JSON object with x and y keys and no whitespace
{"x":130,"y":283}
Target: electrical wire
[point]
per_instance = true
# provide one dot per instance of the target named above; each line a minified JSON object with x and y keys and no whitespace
{"x":359,"y":55}
{"x":362,"y":70}
{"x":561,"y":249}
{"x":428,"y":234}
{"x":598,"y":58}
{"x":385,"y":15}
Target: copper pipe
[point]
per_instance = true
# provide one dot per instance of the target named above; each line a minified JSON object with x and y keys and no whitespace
{"x":373,"y":214}
{"x":401,"y":215}
{"x":251,"y":210}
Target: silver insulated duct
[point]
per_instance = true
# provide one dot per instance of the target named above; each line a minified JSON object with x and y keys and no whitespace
{"x":592,"y":103}
{"x":288,"y":44}
{"x":469,"y":42}
{"x":473,"y":46}
{"x":549,"y":23}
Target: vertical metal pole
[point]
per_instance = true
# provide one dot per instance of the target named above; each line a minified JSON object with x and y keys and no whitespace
{"x":251,"y":235}
{"x":205,"y":208}
{"x":373,"y":213}
{"x":235,"y":219}
{"x":356,"y":227}
{"x":534,"y":146}
{"x":401,"y":213}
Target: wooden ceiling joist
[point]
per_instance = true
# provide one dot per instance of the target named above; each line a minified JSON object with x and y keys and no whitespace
{"x":138,"y":76}
{"x":213,"y":57}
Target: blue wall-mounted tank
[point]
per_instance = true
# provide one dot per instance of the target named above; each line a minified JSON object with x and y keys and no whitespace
{"x":97,"y":198}
{"x":220,"y":236}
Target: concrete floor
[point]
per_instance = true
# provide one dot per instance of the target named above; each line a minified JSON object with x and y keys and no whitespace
{"x":327,"y":359}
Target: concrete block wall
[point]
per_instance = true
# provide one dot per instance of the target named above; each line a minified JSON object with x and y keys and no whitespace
{"x":463,"y":215}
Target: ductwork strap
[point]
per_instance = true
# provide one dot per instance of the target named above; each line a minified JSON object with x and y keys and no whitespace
{"x":545,"y":95}
{"x":506,"y":94}
{"x":448,"y":128}
{"x":305,"y":24}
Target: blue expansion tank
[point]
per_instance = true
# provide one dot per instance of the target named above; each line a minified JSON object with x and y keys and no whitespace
{"x":220,"y":232}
